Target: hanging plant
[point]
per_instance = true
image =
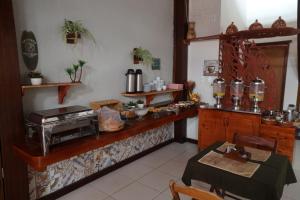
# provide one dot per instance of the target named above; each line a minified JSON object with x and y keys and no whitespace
{"x":72,"y":71}
{"x":141,"y":55}
{"x":74,"y":30}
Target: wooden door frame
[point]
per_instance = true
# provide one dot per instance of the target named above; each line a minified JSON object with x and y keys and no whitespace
{"x":11,"y":117}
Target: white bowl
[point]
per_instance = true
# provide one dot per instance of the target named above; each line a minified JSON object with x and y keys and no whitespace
{"x":141,"y":112}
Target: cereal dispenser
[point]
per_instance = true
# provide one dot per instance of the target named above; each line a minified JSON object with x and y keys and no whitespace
{"x":236,"y":92}
{"x":218,"y":91}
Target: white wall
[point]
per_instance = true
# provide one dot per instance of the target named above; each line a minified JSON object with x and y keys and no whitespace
{"x":243,"y":13}
{"x":198,"y":52}
{"x":117,"y":25}
{"x":267,"y":11}
{"x":234,"y":11}
{"x":208,"y":13}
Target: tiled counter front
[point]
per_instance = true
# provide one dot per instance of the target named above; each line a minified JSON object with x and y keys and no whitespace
{"x":66,"y":172}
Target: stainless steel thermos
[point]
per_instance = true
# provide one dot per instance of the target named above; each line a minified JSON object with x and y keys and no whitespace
{"x":139,"y":80}
{"x":130,"y":81}
{"x":134,"y":81}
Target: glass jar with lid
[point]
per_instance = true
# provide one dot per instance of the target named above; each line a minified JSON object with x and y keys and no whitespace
{"x":218,"y":91}
{"x":256,"y":93}
{"x":257,"y":90}
{"x":236,"y":92}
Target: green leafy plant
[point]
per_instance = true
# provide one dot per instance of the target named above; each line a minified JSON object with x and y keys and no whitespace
{"x":81,"y":63}
{"x":140,"y":102}
{"x":75,"y":67}
{"x":72,"y":71}
{"x":76,"y":29}
{"x":35,"y":75}
{"x":131,"y":104}
{"x":143,"y":55}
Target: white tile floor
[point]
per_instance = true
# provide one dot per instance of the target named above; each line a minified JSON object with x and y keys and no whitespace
{"x":148,"y":178}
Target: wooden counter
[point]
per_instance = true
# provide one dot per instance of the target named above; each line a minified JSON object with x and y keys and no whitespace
{"x":32,"y":154}
{"x":221,"y":124}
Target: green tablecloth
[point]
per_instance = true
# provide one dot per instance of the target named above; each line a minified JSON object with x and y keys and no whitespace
{"x":267,"y":183}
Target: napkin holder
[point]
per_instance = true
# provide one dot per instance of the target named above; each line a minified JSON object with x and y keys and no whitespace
{"x":237,"y":153}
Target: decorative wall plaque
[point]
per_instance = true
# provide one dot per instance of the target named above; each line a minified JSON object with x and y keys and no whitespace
{"x":211,"y":68}
{"x":29,"y":50}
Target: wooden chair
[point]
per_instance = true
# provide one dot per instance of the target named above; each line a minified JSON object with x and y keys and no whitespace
{"x":195,"y":193}
{"x":255,"y":141}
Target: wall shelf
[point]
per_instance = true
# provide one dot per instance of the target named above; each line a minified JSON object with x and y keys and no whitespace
{"x":247,"y":34}
{"x":263,"y":33}
{"x":62,"y":88}
{"x":150,"y":95}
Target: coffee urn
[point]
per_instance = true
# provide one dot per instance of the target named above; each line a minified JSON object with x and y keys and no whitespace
{"x":139,"y":80}
{"x":130,"y":81}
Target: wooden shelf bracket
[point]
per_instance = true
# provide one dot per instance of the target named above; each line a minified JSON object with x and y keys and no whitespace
{"x":62,"y":92}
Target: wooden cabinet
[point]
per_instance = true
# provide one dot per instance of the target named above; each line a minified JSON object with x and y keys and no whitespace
{"x":211,"y":127}
{"x":218,"y":125}
{"x":285,"y":138}
{"x":242,"y":123}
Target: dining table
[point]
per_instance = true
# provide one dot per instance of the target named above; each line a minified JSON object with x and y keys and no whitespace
{"x":266,"y":182}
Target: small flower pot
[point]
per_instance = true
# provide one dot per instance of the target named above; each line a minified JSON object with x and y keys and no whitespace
{"x":72,"y":38}
{"x":140,"y":105}
{"x":137,"y":60}
{"x":36,"y":81}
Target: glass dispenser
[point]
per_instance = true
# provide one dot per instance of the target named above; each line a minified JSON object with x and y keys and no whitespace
{"x":218,"y":91}
{"x":236,"y":92}
{"x":256,"y":93}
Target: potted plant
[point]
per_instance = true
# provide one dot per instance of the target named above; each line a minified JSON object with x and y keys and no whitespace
{"x":141,"y":55}
{"x":131,"y":104}
{"x":36,"y":78}
{"x":140,"y":103}
{"x":74,"y":30}
{"x":72,"y":71}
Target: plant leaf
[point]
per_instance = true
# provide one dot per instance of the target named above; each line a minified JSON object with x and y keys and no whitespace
{"x":81,"y":63}
{"x":69,"y":70}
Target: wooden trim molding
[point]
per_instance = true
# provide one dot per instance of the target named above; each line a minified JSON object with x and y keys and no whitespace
{"x":298,"y":53}
{"x":11,"y":117}
{"x":95,"y":176}
{"x":190,"y":140}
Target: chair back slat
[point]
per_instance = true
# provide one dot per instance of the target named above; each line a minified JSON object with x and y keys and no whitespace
{"x":195,"y":193}
{"x":255,"y":141}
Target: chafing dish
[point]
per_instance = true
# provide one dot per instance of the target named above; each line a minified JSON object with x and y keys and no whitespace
{"x":59,"y":125}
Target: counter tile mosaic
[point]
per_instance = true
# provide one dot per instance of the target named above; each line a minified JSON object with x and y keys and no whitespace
{"x":66,"y":172}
